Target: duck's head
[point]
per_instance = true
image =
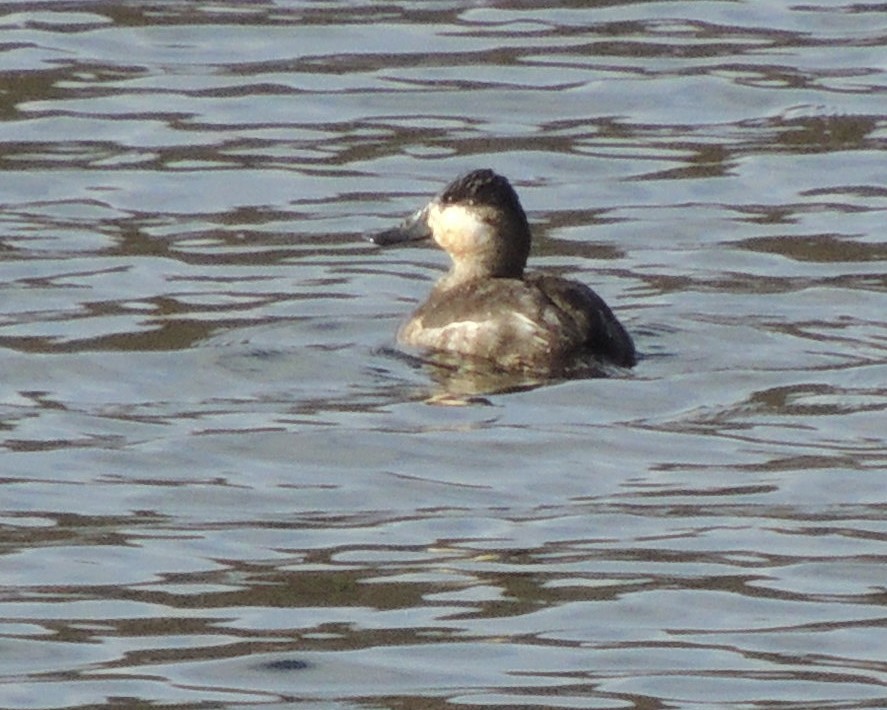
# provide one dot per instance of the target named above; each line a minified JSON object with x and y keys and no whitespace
{"x":478,"y":220}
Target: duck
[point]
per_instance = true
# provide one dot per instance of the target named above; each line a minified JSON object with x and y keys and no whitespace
{"x":488,"y":309}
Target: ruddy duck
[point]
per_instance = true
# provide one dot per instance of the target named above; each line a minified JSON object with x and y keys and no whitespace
{"x":486,"y":307}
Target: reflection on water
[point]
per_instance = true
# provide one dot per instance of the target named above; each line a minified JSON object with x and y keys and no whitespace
{"x":220,"y":482}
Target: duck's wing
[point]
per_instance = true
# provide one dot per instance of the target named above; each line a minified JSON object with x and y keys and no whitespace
{"x":604,"y":335}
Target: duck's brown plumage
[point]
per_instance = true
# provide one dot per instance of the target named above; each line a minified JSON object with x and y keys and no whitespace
{"x":486,"y":307}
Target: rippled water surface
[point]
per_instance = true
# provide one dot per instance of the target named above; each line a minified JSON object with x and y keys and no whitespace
{"x":220,"y":484}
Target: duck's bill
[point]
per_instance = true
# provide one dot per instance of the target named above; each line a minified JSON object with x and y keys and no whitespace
{"x":412,"y":229}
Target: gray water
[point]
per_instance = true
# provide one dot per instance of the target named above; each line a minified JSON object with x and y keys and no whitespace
{"x":221,"y":487}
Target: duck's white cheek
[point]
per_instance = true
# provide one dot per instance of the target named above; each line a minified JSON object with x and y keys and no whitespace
{"x":457,"y":229}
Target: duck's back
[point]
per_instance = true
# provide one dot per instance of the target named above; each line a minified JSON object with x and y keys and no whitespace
{"x":541,"y":323}
{"x":601,"y":333}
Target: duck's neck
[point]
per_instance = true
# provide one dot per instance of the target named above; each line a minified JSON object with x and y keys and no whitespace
{"x":465,"y":270}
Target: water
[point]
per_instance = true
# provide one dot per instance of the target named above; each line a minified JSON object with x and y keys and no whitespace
{"x":221,"y":487}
